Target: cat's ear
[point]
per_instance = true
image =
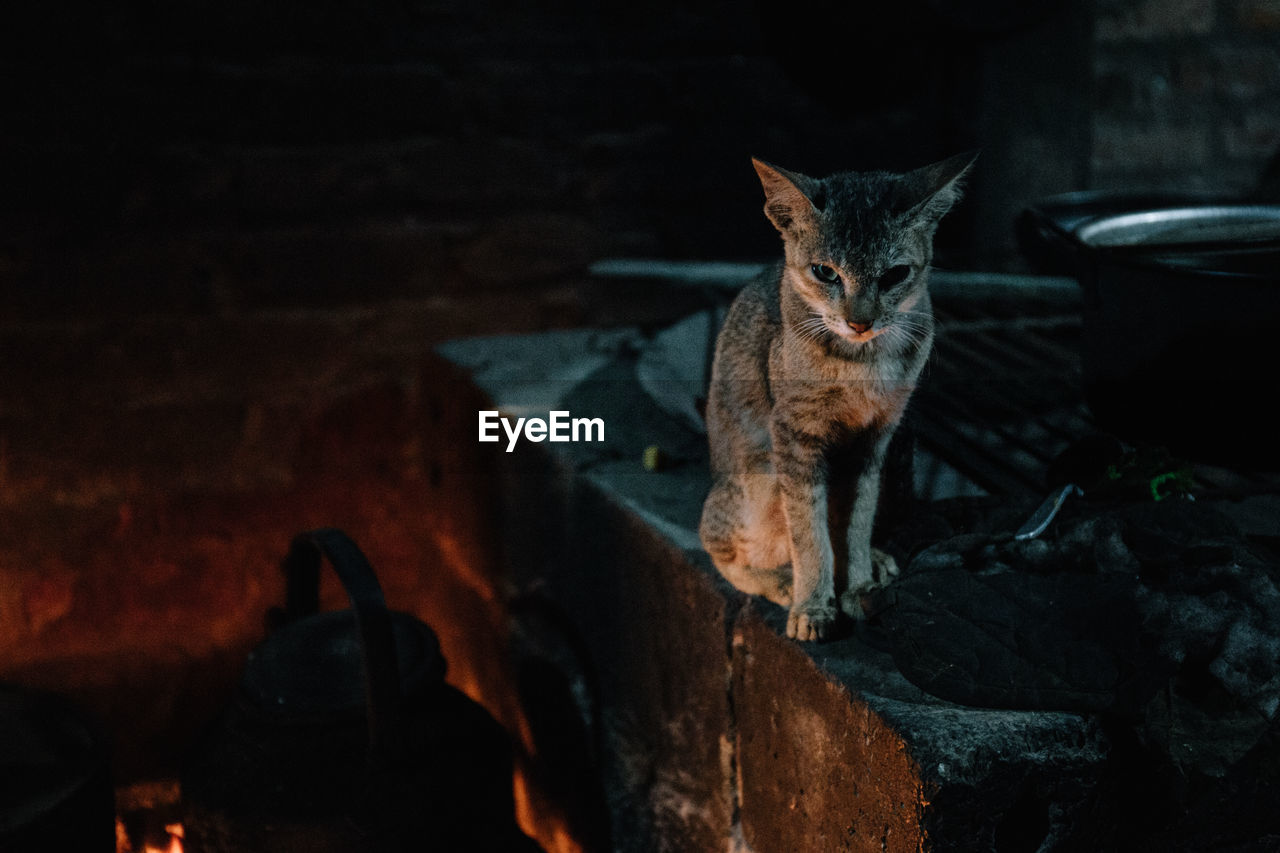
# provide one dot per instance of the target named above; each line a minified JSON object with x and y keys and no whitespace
{"x":938,"y":186}
{"x":788,"y":196}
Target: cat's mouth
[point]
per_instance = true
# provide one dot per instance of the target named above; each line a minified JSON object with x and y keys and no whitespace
{"x":843,"y":330}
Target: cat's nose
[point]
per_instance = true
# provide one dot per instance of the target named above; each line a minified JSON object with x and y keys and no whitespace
{"x":859,"y":327}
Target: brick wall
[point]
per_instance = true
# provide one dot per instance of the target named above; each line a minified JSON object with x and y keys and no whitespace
{"x":213,"y":157}
{"x":219,"y":157}
{"x":1187,"y":93}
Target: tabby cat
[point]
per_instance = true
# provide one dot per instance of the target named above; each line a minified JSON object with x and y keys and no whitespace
{"x":813,"y":369}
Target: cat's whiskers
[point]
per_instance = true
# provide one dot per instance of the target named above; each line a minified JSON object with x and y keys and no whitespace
{"x":918,"y":326}
{"x":907,"y":332}
{"x":919,"y":319}
{"x":812,"y":328}
{"x":913,"y":317}
{"x":912,"y":327}
{"x":814,"y":320}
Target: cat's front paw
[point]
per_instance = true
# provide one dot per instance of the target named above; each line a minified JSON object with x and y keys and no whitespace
{"x":883,"y":570}
{"x":812,"y":622}
{"x":883,"y":567}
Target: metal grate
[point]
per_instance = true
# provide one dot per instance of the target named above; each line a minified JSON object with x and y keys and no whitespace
{"x":1002,"y":397}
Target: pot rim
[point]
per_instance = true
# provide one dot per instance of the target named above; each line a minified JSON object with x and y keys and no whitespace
{"x":1261,"y":224}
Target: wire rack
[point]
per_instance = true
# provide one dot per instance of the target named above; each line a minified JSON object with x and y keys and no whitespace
{"x":1003,"y":397}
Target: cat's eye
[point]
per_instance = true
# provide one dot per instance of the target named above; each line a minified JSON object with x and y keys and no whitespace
{"x":895,"y":275}
{"x":824,"y":273}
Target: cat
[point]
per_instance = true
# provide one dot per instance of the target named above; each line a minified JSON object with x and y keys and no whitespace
{"x":813,"y":369}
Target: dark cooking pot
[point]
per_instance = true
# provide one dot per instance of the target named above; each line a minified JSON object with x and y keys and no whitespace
{"x":1044,"y":231}
{"x":344,"y":735}
{"x":1180,"y":305}
{"x":55,"y":783}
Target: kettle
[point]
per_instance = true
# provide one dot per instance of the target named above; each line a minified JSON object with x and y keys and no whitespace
{"x":343,"y":734}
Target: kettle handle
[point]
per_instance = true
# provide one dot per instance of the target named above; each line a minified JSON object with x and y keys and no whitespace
{"x":377,"y":642}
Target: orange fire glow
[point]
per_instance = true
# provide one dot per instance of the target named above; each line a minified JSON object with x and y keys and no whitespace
{"x":172,"y":843}
{"x":547,"y":829}
{"x":175,"y":838}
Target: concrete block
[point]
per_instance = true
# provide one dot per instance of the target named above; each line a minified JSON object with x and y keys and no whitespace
{"x":658,"y":625}
{"x":713,"y":727}
{"x":818,"y":769}
{"x":644,"y":629}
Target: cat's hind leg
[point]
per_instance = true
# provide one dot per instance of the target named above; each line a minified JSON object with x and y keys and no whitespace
{"x":744,"y":531}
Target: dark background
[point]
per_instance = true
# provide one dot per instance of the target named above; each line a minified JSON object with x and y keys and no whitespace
{"x":195,"y":156}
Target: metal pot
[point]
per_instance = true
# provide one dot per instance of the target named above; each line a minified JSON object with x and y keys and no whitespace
{"x":1179,"y":306}
{"x":344,"y":736}
{"x":1045,"y":230}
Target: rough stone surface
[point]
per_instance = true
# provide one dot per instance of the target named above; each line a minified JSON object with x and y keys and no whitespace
{"x":818,"y":769}
{"x":1015,"y":696}
{"x":825,"y":747}
{"x":640,"y":632}
{"x":659,"y":628}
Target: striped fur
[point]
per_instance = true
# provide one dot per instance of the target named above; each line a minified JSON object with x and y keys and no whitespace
{"x":811,"y":377}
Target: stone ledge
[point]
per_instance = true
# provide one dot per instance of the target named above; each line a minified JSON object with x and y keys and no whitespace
{"x":829,"y":747}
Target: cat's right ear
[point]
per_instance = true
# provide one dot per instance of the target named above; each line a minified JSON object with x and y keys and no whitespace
{"x":787,"y":197}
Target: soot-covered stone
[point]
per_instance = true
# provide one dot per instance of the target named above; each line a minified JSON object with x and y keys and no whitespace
{"x":1160,"y":613}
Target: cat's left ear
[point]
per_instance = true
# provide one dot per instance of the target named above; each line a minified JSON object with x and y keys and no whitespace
{"x":939,"y":186}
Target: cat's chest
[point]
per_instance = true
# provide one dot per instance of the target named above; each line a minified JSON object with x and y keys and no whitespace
{"x":855,"y":395}
{"x":861,"y":399}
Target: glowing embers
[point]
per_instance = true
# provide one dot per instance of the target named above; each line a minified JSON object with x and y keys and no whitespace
{"x":148,"y":818}
{"x":170,"y":843}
